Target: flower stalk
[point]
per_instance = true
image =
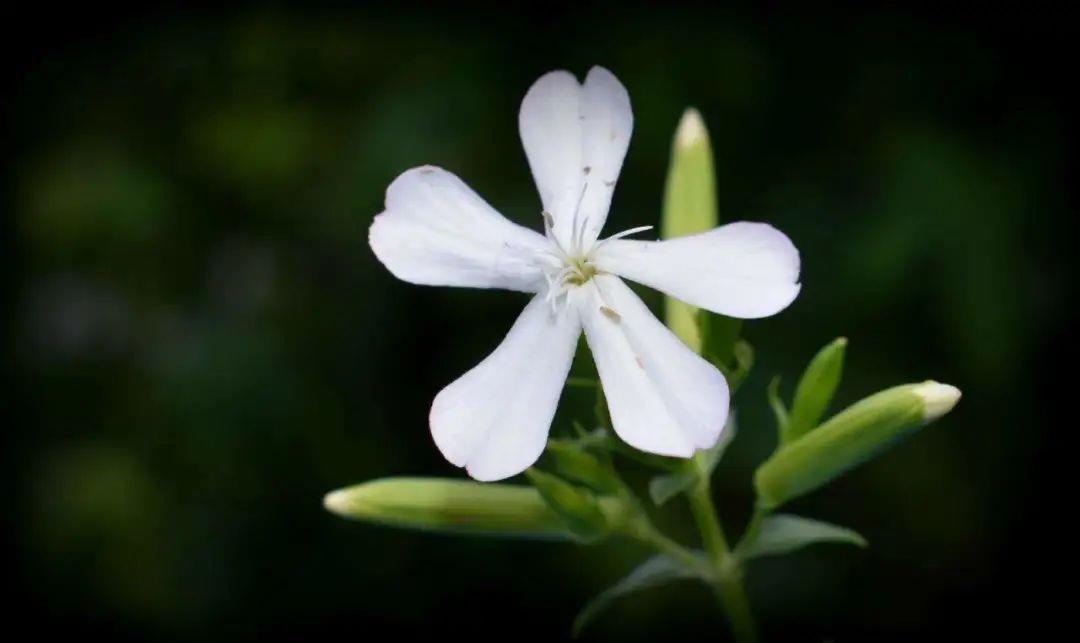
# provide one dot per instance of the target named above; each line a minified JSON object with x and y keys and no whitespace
{"x":726,"y":579}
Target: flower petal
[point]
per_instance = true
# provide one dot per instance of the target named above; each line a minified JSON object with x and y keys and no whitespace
{"x":494,"y":420}
{"x":438,"y":232}
{"x":575,"y":137}
{"x":746,"y":270}
{"x":663,"y":397}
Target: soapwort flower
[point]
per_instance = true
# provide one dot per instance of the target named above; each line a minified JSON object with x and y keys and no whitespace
{"x":662,"y":397}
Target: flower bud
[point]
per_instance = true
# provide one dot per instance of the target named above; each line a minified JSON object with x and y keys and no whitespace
{"x":456,"y":506}
{"x":575,"y":463}
{"x":815,"y":389}
{"x":578,"y":507}
{"x":849,"y":438}
{"x":689,"y":207}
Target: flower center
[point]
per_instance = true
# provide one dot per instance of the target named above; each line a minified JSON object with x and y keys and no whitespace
{"x":581,"y":270}
{"x":564,"y":274}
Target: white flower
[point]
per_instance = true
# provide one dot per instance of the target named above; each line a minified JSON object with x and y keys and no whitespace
{"x":663,"y":398}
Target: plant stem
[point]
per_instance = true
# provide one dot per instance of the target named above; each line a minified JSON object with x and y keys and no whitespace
{"x":649,"y":535}
{"x":727,"y":577}
{"x":750,"y":534}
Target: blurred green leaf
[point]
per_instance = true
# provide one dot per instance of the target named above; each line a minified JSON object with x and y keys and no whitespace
{"x":784,"y":533}
{"x":816,"y":389}
{"x":654,"y":572}
{"x":94,"y":197}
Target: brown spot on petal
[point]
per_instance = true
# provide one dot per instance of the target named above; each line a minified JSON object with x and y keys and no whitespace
{"x":549,"y":221}
{"x":587,"y":169}
{"x":640,"y":363}
{"x":610,"y":314}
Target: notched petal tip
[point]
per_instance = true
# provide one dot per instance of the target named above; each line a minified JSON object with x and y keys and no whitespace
{"x":599,"y":72}
{"x":549,"y":83}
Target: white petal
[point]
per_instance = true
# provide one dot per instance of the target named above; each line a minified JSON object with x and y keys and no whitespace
{"x":494,"y":420}
{"x":663,"y":397}
{"x":438,"y":232}
{"x":746,"y":270}
{"x":575,"y":137}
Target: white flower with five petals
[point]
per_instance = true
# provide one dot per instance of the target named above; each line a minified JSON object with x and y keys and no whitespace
{"x":662,"y":397}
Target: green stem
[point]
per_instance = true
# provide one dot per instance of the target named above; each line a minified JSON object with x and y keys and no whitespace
{"x":750,"y":534}
{"x":649,"y":535}
{"x":727,"y":583}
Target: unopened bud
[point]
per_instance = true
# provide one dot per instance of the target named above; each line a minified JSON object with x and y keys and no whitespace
{"x":849,"y":438}
{"x":457,"y":506}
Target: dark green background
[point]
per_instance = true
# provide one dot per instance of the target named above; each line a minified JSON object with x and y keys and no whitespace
{"x":201,"y":342}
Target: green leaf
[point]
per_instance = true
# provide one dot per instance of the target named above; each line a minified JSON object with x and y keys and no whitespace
{"x":816,"y":389}
{"x":665,"y":487}
{"x":654,"y":572}
{"x":849,"y":438}
{"x":578,"y":507}
{"x":782,"y":533}
{"x":738,"y":367}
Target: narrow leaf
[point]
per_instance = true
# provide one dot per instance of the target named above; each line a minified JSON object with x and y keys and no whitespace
{"x":664,"y":488}
{"x":782,"y":533}
{"x":815,"y":389}
{"x":654,"y":572}
{"x":738,"y":366}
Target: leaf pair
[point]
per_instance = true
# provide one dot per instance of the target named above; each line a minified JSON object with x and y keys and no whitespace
{"x":779,"y":534}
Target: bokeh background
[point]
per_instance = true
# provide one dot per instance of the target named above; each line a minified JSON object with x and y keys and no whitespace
{"x":200,"y":342}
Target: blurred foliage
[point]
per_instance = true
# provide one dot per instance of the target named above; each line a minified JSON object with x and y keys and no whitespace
{"x":203,"y":344}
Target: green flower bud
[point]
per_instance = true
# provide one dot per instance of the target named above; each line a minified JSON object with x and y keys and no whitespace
{"x":578,"y":507}
{"x":815,"y":389}
{"x":849,"y":438}
{"x":575,"y":463}
{"x":689,"y":207}
{"x":455,"y":506}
